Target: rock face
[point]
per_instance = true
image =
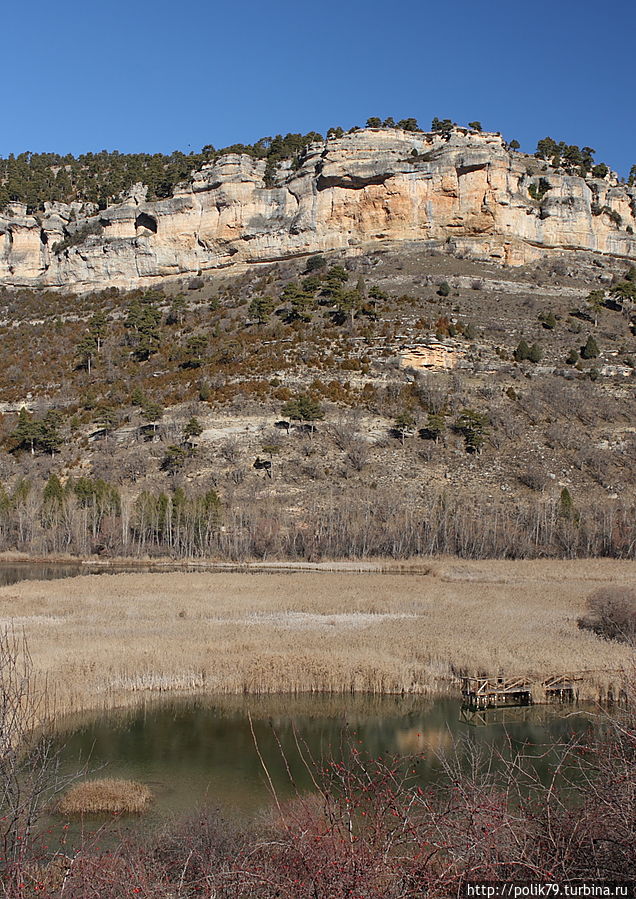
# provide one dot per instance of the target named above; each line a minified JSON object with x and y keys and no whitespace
{"x":368,"y":186}
{"x":434,"y":355}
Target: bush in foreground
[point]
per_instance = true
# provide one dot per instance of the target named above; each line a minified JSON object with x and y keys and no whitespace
{"x":370,"y":830}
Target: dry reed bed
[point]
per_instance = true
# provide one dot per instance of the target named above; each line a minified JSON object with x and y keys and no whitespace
{"x":108,"y":795}
{"x":106,"y":639}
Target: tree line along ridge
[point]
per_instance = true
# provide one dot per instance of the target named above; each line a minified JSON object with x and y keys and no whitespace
{"x":103,"y":178}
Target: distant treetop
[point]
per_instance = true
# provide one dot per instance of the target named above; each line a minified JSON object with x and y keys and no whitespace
{"x":102,"y":178}
{"x":574,"y":160}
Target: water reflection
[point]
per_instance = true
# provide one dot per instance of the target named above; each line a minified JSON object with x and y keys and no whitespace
{"x":14,"y":572}
{"x":203,"y":751}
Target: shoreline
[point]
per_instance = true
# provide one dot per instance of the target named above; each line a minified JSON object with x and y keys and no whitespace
{"x":118,"y":563}
{"x":415,"y":565}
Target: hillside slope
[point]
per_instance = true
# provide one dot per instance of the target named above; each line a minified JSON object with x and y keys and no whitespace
{"x":392,"y":403}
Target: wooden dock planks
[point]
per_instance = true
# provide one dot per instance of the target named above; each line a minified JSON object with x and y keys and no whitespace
{"x":490,"y":691}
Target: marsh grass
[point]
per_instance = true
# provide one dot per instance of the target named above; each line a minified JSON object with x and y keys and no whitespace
{"x":105,"y":796}
{"x":106,"y":640}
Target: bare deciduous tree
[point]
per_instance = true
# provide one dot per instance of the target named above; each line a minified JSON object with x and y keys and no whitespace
{"x":345,"y":430}
{"x":28,"y":762}
{"x":230,"y":450}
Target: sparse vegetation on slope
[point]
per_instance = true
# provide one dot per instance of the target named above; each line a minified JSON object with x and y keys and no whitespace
{"x":326,"y":408}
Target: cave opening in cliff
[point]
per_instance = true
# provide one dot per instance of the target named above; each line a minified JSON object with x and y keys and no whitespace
{"x":144,"y":220}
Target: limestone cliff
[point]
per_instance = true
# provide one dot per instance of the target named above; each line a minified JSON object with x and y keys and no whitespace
{"x":368,"y":186}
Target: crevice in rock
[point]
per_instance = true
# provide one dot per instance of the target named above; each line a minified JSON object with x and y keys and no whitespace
{"x":353,"y":182}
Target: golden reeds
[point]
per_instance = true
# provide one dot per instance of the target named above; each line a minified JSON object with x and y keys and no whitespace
{"x":107,"y":795}
{"x":109,"y":639}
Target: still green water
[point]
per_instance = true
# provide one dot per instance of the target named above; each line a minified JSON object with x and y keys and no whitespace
{"x":196,"y":753}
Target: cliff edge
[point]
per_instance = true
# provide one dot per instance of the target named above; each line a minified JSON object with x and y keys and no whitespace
{"x":466,"y":188}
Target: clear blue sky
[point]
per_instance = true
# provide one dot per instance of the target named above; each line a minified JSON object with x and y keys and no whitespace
{"x":135,"y":75}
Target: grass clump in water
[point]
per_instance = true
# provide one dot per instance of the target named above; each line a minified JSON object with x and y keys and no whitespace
{"x":109,"y":794}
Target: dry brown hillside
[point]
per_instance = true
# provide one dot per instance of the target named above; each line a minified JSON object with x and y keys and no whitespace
{"x":382,"y":403}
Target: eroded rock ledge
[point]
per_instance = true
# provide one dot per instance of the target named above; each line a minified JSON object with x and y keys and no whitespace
{"x":368,"y":186}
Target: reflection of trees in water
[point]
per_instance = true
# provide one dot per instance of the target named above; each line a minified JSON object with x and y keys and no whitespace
{"x":203,"y":750}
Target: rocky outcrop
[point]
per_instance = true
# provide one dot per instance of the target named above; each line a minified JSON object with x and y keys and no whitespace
{"x":368,"y":186}
{"x":432,"y":355}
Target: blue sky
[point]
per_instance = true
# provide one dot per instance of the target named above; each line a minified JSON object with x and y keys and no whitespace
{"x":135,"y":76}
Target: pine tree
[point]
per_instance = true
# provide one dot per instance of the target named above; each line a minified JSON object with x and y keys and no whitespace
{"x":590,"y":350}
{"x":26,"y":432}
{"x":143,"y":321}
{"x":348,"y":303}
{"x":404,"y":424}
{"x":53,"y":494}
{"x":177,"y":310}
{"x":522,"y":351}
{"x":193,"y":428}
{"x":86,"y":350}
{"x":596,"y":301}
{"x":98,"y":327}
{"x":566,"y":505}
{"x":49,"y":437}
{"x":435,"y":425}
{"x":473,"y":426}
{"x":175,"y":459}
{"x":304,"y":407}
{"x":261,"y":309}
{"x":195,"y":348}
{"x":152,"y":413}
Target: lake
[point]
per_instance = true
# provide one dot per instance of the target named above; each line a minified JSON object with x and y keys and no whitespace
{"x":195,"y":752}
{"x":201,"y":752}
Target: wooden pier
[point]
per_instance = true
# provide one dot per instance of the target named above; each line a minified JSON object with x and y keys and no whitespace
{"x":561,"y":687}
{"x":490,"y":692}
{"x":497,"y":691}
{"x":487,"y":692}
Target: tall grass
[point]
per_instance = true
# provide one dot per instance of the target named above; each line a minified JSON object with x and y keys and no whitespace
{"x":112,"y":639}
{"x":105,"y":795}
